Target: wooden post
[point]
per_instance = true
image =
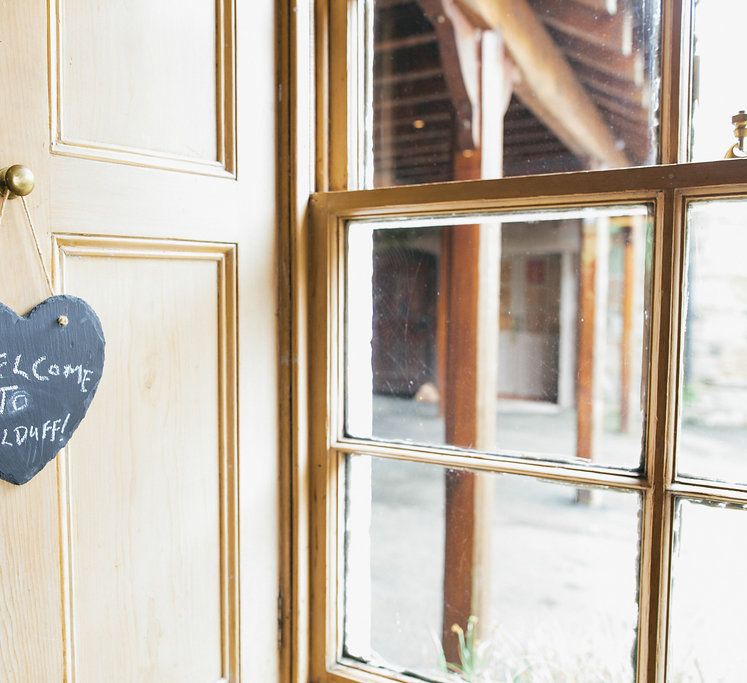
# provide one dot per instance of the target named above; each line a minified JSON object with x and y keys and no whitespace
{"x":469,"y":400}
{"x":586,"y":313}
{"x":471,"y":282}
{"x":442,"y":315}
{"x":628,"y":312}
{"x":568,"y":328}
{"x":593,"y":288}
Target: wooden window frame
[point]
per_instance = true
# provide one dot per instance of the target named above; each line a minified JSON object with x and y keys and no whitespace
{"x":320,"y":153}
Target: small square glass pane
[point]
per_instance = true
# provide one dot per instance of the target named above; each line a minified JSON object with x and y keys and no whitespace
{"x":545,"y":573}
{"x":712,"y":441}
{"x":709,"y":597}
{"x":465,"y":90}
{"x":517,"y":334}
{"x":718,"y":91}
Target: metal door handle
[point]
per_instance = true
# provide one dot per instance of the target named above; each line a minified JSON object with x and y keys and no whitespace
{"x":18,"y":179}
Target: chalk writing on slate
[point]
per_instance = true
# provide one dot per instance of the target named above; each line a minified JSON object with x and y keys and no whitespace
{"x":51,"y":362}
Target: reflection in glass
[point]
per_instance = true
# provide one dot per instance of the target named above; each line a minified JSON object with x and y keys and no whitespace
{"x":552,"y":86}
{"x":709,"y":598}
{"x":554,"y":585}
{"x":712,"y":442}
{"x":718,"y":91}
{"x":524,"y":333}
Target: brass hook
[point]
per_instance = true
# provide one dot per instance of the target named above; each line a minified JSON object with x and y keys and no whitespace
{"x":18,"y":179}
{"x":737,"y":150}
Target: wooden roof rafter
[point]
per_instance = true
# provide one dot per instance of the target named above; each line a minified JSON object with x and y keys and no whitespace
{"x":549,"y":86}
{"x":626,"y":67}
{"x":457,"y":39}
{"x":610,"y":31}
{"x":608,"y":6}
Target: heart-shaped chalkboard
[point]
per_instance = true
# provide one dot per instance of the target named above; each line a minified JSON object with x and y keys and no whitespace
{"x":50,"y":366}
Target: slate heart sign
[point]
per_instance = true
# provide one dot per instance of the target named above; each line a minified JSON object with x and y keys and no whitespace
{"x":51,"y":362}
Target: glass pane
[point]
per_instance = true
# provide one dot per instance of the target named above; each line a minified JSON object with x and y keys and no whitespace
{"x":553,"y":86}
{"x":521,"y":334}
{"x":713,"y":434}
{"x":551,"y":578}
{"x":718,"y":92}
{"x":709,"y":598}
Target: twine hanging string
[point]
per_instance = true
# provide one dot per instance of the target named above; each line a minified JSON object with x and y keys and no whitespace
{"x":32,"y":230}
{"x":6,"y":196}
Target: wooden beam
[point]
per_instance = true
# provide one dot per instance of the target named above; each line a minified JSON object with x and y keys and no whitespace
{"x":410,"y":101}
{"x":529,"y":136}
{"x":412,"y":89}
{"x":405,"y":42}
{"x":386,"y":4}
{"x":549,"y":85}
{"x":614,"y":87}
{"x":470,"y":277}
{"x":623,"y":109}
{"x":521,"y":166}
{"x":530,"y":122}
{"x":470,"y":414}
{"x":586,"y":342}
{"x":408,"y":118}
{"x":412,"y":137}
{"x":624,"y":112}
{"x":538,"y":149}
{"x":405,"y":153}
{"x":460,"y":397}
{"x":608,"y":6}
{"x":385,"y":135}
{"x":460,"y":558}
{"x":628,"y":317}
{"x":592,"y":342}
{"x":626,"y":67}
{"x":458,"y":45}
{"x":611,"y":31}
{"x":418,"y":176}
{"x":407,"y":76}
{"x":422,"y":164}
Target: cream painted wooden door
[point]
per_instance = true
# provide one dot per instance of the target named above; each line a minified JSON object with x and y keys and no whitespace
{"x":148,"y":551}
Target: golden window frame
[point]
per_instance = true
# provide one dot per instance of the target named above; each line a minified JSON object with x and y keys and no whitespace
{"x":321,"y":155}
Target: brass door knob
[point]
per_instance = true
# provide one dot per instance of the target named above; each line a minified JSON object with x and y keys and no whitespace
{"x":18,"y":179}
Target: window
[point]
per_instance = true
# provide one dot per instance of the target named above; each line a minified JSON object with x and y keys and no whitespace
{"x":528,"y":386}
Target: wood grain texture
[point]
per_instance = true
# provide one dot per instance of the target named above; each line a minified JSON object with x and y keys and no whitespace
{"x":165,"y":489}
{"x":30,"y":592}
{"x":145,"y":83}
{"x":135,"y":235}
{"x":547,"y":77}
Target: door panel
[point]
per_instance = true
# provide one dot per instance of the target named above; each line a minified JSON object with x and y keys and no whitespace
{"x":163,"y":484}
{"x":120,"y":83}
{"x":149,"y":83}
{"x":144,"y":552}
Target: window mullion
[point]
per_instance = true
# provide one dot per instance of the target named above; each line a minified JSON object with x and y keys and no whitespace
{"x":674,"y":103}
{"x":664,"y":356}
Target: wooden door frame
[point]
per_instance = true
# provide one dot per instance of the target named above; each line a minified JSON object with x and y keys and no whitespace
{"x":296,"y":59}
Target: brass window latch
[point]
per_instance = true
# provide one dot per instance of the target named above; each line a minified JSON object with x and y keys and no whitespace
{"x":737,"y":150}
